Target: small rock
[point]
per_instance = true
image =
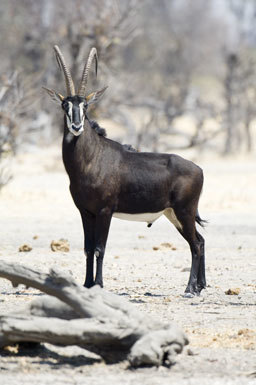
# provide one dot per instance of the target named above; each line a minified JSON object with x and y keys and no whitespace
{"x":35,"y":237}
{"x":60,"y":245}
{"x":185,"y":269}
{"x":155,"y":248}
{"x":25,"y":248}
{"x":246,"y":332}
{"x":166,"y":244}
{"x":235,"y":291}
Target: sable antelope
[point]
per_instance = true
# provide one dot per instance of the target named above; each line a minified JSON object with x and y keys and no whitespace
{"x":108,"y":180}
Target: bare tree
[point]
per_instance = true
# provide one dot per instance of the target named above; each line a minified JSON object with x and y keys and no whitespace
{"x":230,"y":96}
{"x":17,"y":98}
{"x":240,"y":101}
{"x":8,"y":128}
{"x":240,"y":78}
{"x":249,"y":101}
{"x":153,"y":56}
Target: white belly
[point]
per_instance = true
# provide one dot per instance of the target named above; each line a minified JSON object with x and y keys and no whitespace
{"x":145,"y":217}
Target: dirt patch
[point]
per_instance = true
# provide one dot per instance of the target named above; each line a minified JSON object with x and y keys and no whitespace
{"x":221,"y":328}
{"x":243,"y":339}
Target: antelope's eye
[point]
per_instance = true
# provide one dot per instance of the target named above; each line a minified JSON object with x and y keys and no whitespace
{"x":65,"y":105}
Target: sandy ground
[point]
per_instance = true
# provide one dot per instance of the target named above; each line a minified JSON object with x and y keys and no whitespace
{"x":150,"y":267}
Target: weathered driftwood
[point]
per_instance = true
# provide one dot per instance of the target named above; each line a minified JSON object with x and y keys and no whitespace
{"x":94,"y":319}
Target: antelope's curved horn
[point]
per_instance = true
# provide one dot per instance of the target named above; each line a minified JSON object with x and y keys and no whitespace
{"x":92,"y":55}
{"x":68,"y":79}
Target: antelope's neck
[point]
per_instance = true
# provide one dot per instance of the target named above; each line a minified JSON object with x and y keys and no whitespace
{"x":78,"y":151}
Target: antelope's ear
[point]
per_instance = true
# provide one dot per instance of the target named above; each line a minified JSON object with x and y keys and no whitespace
{"x":95,"y":96}
{"x":54,"y":95}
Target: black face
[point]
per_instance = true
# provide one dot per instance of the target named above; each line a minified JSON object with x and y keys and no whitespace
{"x":75,"y":109}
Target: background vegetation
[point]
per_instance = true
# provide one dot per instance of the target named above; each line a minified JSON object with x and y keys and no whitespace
{"x":181,"y":73}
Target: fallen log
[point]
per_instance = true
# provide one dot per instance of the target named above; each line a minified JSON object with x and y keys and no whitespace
{"x":94,"y":319}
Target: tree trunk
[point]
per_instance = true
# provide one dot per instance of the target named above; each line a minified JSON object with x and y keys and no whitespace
{"x":248,"y":136}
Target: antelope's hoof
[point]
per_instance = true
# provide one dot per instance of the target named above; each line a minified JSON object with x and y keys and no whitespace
{"x":191,"y":292}
{"x":201,"y":287}
{"x":88,"y":285}
{"x":99,"y":283}
{"x":188,"y":295}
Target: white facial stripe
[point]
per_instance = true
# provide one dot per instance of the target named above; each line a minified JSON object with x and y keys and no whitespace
{"x":70,"y":111}
{"x":81,"y":107}
{"x":69,"y":124}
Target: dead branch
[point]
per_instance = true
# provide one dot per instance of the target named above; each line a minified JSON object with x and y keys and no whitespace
{"x":94,"y":319}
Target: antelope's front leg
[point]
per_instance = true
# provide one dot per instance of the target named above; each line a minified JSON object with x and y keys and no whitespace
{"x":103,"y":221}
{"x":89,"y":232}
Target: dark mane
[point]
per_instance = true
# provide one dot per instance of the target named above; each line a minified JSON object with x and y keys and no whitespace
{"x":95,"y":126}
{"x":102,"y":132}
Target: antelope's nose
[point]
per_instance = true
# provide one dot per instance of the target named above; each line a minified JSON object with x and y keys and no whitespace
{"x":76,"y":117}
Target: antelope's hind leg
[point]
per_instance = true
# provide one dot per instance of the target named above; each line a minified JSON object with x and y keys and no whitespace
{"x":185,"y":224}
{"x":201,"y":282}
